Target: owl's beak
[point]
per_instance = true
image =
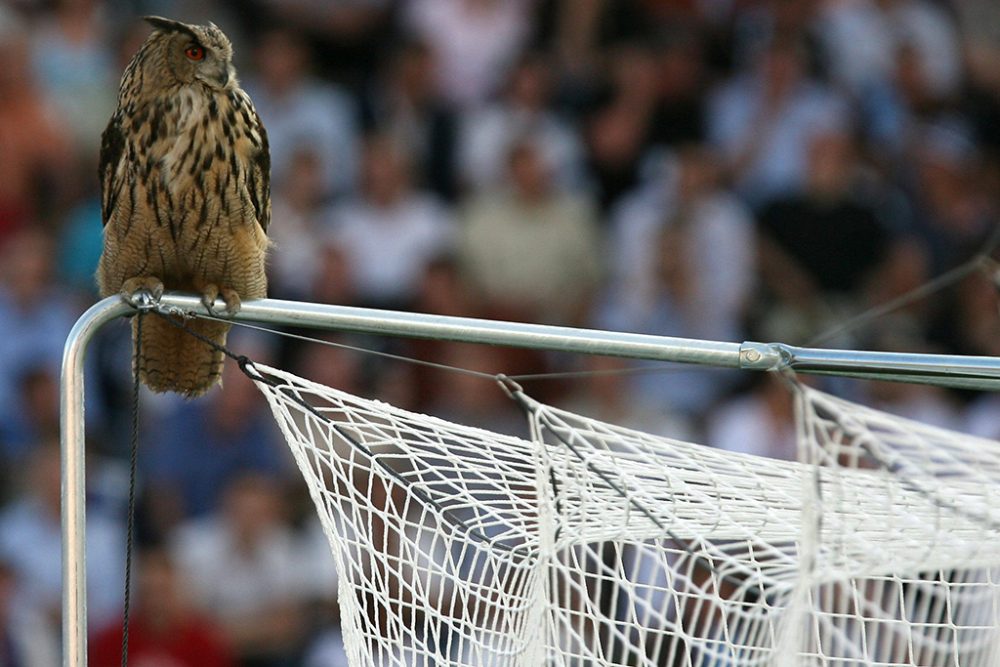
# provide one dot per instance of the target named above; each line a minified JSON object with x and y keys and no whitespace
{"x":217,"y":77}
{"x":223,"y":77}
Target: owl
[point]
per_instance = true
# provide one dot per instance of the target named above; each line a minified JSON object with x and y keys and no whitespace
{"x":185,"y":186}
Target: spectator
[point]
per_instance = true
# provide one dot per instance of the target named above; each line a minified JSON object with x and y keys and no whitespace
{"x":330,"y":363}
{"x":200,"y":446}
{"x":760,"y":422}
{"x":608,"y":395}
{"x":334,"y":280}
{"x":678,"y":117}
{"x":529,"y":250}
{"x":689,"y":273}
{"x":74,"y":64}
{"x":79,"y":237}
{"x":954,"y":213}
{"x":298,"y":207}
{"x":929,"y":30}
{"x":474,"y":42}
{"x":35,"y":317}
{"x":26,"y":636}
{"x":405,"y":105}
{"x":33,"y":144}
{"x":391,"y":232}
{"x":718,"y":236}
{"x":347,"y":34}
{"x":762,"y":121}
{"x":164,"y":629}
{"x":244,"y":565}
{"x":756,"y":26}
{"x":442,"y":289}
{"x":523,"y":111}
{"x":657,"y":102}
{"x":36,"y":418}
{"x":301,"y":113}
{"x":922,"y":403}
{"x":863,"y":38}
{"x":471,"y":400}
{"x":806,"y":237}
{"x":618,"y":130}
{"x":615,"y":153}
{"x":905,"y":269}
{"x":966,"y":319}
{"x":30,"y":543}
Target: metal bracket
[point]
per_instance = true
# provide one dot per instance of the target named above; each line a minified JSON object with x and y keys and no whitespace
{"x":142,"y":300}
{"x":763,"y":356}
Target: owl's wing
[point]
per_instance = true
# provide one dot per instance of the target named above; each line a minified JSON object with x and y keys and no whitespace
{"x":259,"y":181}
{"x":112,"y":152}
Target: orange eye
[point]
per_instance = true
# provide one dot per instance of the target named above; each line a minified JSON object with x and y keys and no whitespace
{"x":195,"y":52}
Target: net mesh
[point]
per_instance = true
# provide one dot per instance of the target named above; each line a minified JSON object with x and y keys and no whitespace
{"x":592,"y":544}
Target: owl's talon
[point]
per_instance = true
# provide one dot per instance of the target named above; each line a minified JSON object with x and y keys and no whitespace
{"x":211,"y":292}
{"x":232,"y":299}
{"x":208,"y":296}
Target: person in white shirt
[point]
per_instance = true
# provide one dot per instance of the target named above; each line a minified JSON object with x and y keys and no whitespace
{"x":761,"y":122}
{"x":474,"y":42}
{"x":392,"y":231}
{"x":245,"y":566}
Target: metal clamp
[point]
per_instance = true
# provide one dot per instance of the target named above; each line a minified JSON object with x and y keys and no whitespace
{"x":763,"y":356}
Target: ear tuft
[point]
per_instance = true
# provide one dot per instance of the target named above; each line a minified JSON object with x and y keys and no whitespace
{"x":160,"y":23}
{"x":168,"y":25}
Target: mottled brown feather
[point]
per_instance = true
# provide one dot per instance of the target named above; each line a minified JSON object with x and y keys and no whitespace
{"x":185,"y":180}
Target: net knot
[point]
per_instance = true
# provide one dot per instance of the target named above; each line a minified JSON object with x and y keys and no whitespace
{"x":246,"y":365}
{"x":250,"y":370}
{"x":511,"y":388}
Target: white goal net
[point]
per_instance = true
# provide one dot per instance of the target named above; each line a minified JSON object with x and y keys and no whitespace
{"x":592,"y":544}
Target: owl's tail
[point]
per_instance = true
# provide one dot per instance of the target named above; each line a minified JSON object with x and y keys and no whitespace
{"x":171,"y":359}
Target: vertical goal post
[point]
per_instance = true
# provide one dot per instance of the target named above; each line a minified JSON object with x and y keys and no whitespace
{"x":966,"y":372}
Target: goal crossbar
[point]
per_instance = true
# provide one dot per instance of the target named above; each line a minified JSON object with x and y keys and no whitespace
{"x":941,"y":370}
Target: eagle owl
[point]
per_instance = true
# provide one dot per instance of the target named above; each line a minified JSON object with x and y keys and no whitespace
{"x":185,"y":184}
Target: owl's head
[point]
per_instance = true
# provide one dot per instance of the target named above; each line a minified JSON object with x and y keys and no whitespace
{"x":194,"y":53}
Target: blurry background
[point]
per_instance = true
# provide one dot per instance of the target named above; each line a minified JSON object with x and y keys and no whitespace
{"x":721,"y":169}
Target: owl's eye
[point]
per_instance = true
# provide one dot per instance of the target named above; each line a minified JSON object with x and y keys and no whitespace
{"x":195,"y":53}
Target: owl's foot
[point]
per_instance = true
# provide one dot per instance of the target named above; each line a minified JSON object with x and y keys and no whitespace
{"x":142,"y":291}
{"x":211,"y":292}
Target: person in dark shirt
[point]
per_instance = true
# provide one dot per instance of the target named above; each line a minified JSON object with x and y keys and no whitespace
{"x":196,"y":448}
{"x":821,"y":247}
{"x":832,"y":234}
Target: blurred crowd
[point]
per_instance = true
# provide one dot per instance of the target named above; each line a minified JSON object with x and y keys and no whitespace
{"x":719,"y":169}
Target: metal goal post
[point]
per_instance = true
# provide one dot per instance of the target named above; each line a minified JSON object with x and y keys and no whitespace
{"x":942,"y":370}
